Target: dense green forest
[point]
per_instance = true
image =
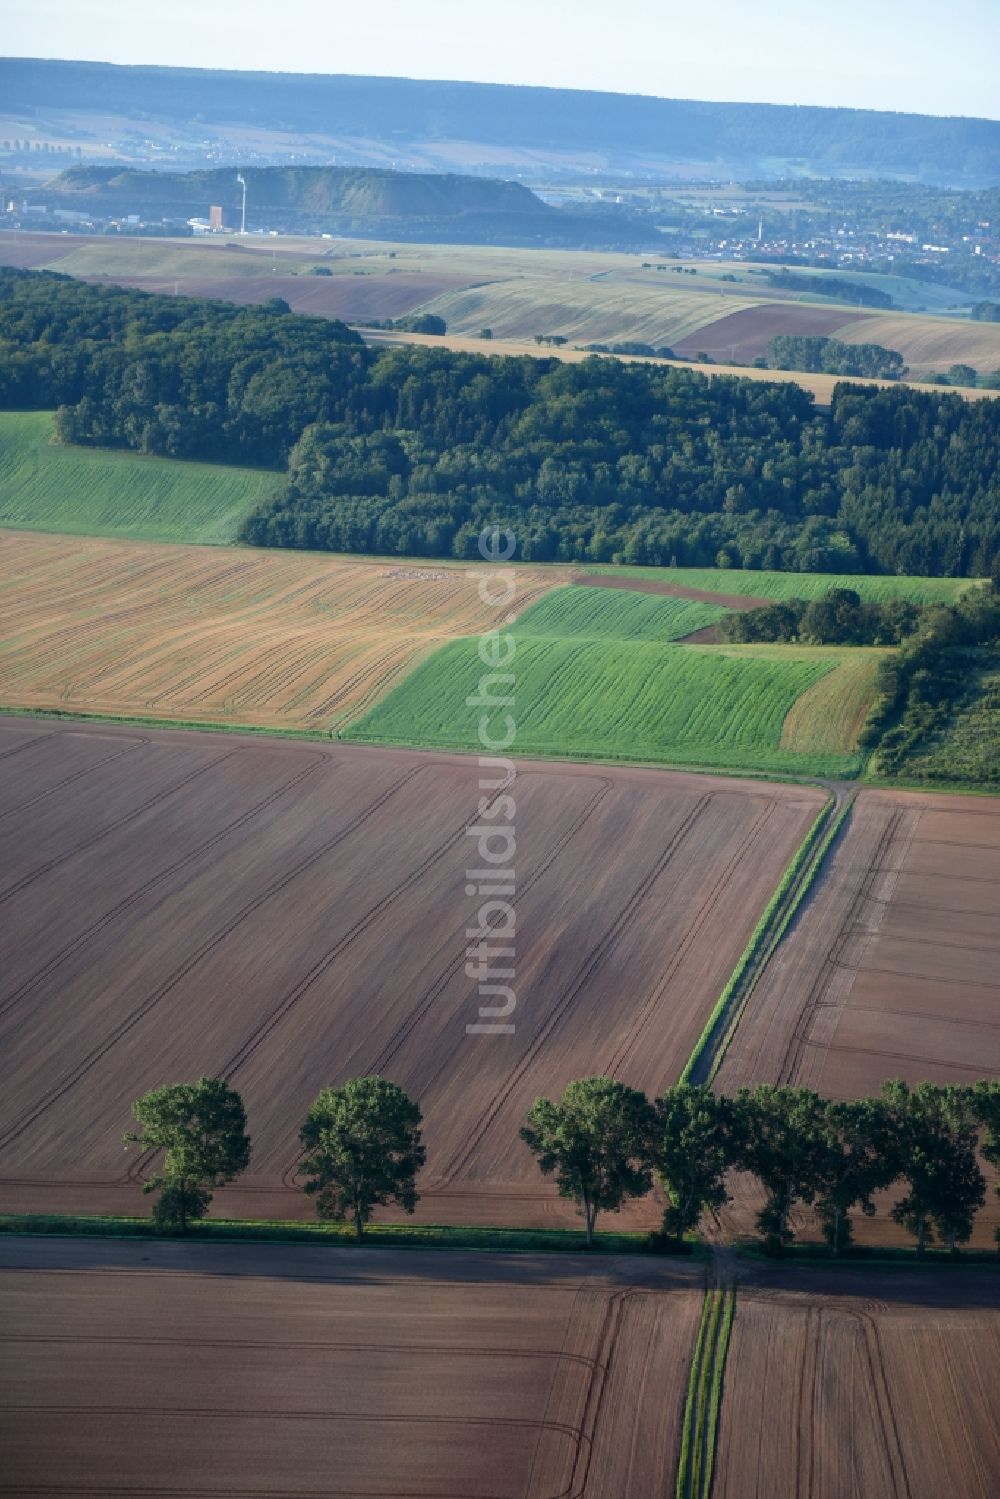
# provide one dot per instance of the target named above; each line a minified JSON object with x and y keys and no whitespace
{"x":414,"y":450}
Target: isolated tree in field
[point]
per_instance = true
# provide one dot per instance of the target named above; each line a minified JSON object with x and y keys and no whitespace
{"x":781,"y":1144}
{"x":857,"y":1155}
{"x":595,"y":1141}
{"x":692,"y":1145}
{"x":937,"y":1133}
{"x":201,"y":1128}
{"x":362,"y":1150}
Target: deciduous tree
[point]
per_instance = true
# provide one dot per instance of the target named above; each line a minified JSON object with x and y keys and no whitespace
{"x":692,"y":1145}
{"x":201,"y":1128}
{"x":362,"y":1150}
{"x":595,"y":1141}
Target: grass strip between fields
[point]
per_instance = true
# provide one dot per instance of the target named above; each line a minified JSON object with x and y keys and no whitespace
{"x":711,"y":1046}
{"x":341,"y":1235}
{"x":704,"y":1395}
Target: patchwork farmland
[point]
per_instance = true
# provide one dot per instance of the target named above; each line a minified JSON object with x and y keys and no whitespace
{"x":288,"y":915}
{"x":270,"y":639}
{"x":225,"y":1369}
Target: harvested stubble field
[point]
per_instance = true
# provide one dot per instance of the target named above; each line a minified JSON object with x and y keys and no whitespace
{"x":892,"y":968}
{"x":193,"y":1370}
{"x":264,"y":638}
{"x":862,"y":1384}
{"x":289,"y":915}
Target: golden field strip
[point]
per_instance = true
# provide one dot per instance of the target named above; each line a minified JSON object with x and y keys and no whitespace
{"x":194,"y":634}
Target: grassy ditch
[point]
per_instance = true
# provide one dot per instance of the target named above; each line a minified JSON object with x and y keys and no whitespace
{"x":710,"y":1048}
{"x":704,"y":1395}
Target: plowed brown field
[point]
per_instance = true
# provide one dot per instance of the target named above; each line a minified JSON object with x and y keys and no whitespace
{"x":194,"y":1370}
{"x":221,"y":634}
{"x":863,"y":1385}
{"x":290,"y":915}
{"x":892,"y":968}
{"x":745,"y":335}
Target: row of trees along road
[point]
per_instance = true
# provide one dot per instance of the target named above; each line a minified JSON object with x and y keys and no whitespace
{"x":361,"y":1148}
{"x":604,"y":1142}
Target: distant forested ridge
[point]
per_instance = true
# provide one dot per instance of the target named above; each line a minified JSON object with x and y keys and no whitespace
{"x":413,"y":450}
{"x":624,"y":129}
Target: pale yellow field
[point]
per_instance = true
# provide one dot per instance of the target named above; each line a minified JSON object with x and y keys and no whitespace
{"x":929,"y":344}
{"x":222,"y":634}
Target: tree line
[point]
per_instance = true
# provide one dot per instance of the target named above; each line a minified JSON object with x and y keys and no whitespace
{"x":830,"y":356}
{"x":604,"y":1143}
{"x":837,"y":617}
{"x":414,"y":450}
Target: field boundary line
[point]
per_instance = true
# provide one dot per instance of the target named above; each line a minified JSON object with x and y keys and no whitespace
{"x":713,"y":1043}
{"x":704,"y":1395}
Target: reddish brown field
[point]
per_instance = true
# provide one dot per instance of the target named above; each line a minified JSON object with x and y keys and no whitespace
{"x":862,"y":1385}
{"x":744,"y":335}
{"x":291,"y":914}
{"x":191,"y":1370}
{"x":893,"y":966}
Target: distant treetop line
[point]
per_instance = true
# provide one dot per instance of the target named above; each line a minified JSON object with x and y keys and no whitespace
{"x":762,"y":139}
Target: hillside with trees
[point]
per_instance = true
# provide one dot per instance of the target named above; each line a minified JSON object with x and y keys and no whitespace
{"x":413,"y":450}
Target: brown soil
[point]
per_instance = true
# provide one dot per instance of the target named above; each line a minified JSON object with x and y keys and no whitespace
{"x":290,"y":914}
{"x":860,"y":1383}
{"x":193,"y":1369}
{"x":672,"y":590}
{"x":744,"y":335}
{"x":350,"y":298}
{"x":892,"y":968}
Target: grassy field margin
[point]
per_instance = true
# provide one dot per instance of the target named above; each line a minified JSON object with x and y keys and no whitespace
{"x":341,"y":1235}
{"x":704,"y":1395}
{"x":710,"y":1048}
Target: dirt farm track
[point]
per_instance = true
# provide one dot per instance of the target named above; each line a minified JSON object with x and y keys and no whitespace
{"x":290,"y":914}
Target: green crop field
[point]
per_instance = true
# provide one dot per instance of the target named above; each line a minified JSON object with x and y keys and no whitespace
{"x":612,"y":691}
{"x":615,"y":614}
{"x":767,"y":585}
{"x":99,"y":492}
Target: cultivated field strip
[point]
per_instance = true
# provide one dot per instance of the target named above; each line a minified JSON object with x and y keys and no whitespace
{"x":458,"y":1375}
{"x":836,"y":1393}
{"x":218,"y":635}
{"x":892,"y":966}
{"x":291,"y":914}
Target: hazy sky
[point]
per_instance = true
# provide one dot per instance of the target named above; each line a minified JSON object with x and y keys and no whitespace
{"x":881,"y":54}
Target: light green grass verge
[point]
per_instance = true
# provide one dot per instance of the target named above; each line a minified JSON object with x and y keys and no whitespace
{"x":295,"y":1231}
{"x":711,"y":1046}
{"x":704,"y":1396}
{"x":772,"y":585}
{"x":47,"y":486}
{"x":630,"y":700}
